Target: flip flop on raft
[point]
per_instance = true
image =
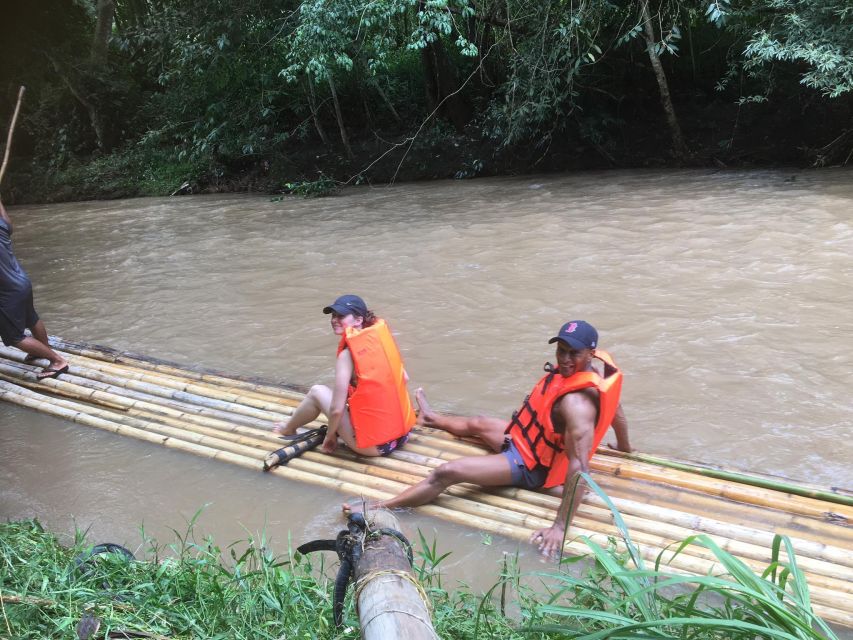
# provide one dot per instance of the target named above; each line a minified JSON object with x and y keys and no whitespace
{"x":46,"y":373}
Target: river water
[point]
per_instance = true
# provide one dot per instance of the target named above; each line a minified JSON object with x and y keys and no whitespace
{"x":726,"y":297}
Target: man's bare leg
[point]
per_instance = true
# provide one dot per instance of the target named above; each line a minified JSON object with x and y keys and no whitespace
{"x":487,"y":471}
{"x":317,"y":401}
{"x":489,"y":430}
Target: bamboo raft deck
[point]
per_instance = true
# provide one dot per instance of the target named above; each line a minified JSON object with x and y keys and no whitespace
{"x":662,"y":502}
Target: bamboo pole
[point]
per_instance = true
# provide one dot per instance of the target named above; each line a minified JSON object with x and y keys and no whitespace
{"x":166,"y":367}
{"x":659,"y":495}
{"x":221,"y":392}
{"x":11,"y":132}
{"x":751,"y":495}
{"x":390,"y":602}
{"x":27,"y":373}
{"x":832,"y":495}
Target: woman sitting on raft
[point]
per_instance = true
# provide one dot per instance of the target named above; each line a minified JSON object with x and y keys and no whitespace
{"x":369,"y":408}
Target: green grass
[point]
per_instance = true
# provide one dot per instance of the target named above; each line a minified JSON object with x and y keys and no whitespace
{"x":195,"y":589}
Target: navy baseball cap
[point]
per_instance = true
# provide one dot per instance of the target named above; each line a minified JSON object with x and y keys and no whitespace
{"x":347,"y":304}
{"x":577,"y":334}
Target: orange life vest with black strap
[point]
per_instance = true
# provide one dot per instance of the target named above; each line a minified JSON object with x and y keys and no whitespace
{"x":531,"y":428}
{"x":379,"y":404}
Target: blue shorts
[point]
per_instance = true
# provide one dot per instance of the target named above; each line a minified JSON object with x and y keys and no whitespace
{"x":388,"y":447}
{"x":521,"y":475}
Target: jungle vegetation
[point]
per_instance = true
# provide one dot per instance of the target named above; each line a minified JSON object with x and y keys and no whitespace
{"x":131,"y":97}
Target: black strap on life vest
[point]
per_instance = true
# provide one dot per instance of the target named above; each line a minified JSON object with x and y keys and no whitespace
{"x":530,"y":427}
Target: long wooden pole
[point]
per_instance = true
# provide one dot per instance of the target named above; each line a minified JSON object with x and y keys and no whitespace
{"x":783,"y":486}
{"x":390,"y":602}
{"x":11,"y":132}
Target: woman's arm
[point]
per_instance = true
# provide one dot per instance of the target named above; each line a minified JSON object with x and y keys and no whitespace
{"x":343,"y":375}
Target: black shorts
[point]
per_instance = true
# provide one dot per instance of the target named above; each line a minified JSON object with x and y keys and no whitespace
{"x":14,"y":321}
{"x":396,"y":443}
{"x":521,"y":475}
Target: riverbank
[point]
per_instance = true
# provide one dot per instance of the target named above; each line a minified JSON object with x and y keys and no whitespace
{"x":718,"y":137}
{"x":194,"y":588}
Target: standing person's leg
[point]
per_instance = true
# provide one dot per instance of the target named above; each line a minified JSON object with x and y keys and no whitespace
{"x":12,"y":334}
{"x":487,"y":471}
{"x":317,"y":401}
{"x":39,"y":332}
{"x":489,"y":430}
{"x":36,"y":349}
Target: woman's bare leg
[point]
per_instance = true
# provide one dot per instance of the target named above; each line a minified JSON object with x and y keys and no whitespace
{"x":489,"y":430}
{"x":317,"y":401}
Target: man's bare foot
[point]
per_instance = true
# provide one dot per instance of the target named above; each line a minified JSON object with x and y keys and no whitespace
{"x":426,"y":416}
{"x":360,"y":507}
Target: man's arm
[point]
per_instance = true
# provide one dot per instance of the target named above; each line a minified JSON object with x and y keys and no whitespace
{"x":578,"y":413}
{"x":5,"y":216}
{"x":343,"y":375}
{"x":620,"y":427}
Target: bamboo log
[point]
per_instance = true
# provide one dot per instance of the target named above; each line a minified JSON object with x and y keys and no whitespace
{"x":390,"y":602}
{"x":659,"y":495}
{"x":26,"y":373}
{"x":228,"y":394}
{"x":81,"y":412}
{"x":751,"y":495}
{"x":833,"y":495}
{"x":162,"y":366}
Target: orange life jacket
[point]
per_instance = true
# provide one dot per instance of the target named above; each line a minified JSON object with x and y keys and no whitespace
{"x":531,"y":428}
{"x":379,"y":404}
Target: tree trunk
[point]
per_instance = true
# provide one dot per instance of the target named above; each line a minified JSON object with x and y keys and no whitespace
{"x":386,"y":100}
{"x":340,"y":118}
{"x":102,"y":138}
{"x":442,"y":86}
{"x":105,"y":14}
{"x":679,"y":149}
{"x":312,"y":104}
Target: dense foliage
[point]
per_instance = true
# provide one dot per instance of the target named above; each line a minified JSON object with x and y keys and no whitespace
{"x":261,"y":93}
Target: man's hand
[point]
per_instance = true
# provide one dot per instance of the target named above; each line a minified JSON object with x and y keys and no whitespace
{"x":549,"y":540}
{"x":330,"y":443}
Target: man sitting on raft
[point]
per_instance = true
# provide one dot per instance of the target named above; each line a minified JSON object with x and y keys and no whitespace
{"x":369,"y":408}
{"x":547,"y":442}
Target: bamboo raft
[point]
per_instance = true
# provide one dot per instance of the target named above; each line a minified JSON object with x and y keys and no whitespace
{"x":662,"y":502}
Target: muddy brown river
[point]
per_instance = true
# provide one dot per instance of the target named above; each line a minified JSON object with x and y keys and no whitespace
{"x":726,"y":297}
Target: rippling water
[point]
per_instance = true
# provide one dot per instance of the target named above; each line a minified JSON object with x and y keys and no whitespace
{"x":725,"y":296}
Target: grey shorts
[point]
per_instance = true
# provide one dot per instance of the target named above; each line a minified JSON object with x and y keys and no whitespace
{"x":521,"y":475}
